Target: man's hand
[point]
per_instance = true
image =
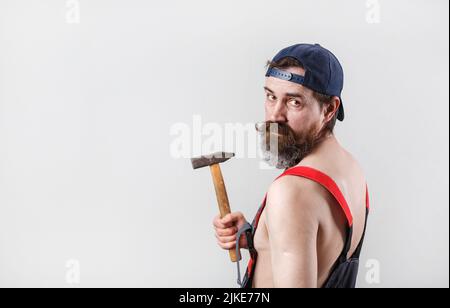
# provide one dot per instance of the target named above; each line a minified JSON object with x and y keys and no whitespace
{"x":226,"y":229}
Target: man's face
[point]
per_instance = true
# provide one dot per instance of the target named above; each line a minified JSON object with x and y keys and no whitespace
{"x":299,"y":118}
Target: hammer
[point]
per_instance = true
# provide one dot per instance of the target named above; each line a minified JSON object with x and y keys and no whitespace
{"x":213,"y":162}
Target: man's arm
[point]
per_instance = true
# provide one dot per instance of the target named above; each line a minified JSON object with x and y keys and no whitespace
{"x":292,"y":223}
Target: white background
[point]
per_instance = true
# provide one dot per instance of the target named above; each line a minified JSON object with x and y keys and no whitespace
{"x":86,"y":112}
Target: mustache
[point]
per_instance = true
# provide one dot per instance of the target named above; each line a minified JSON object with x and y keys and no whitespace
{"x":277,"y":132}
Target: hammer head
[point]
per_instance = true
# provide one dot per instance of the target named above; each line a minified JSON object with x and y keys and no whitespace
{"x":208,"y":160}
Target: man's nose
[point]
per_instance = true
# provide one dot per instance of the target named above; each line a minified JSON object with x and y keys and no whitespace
{"x":278,"y":113}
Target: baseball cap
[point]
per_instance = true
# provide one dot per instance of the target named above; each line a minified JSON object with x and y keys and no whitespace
{"x":323,"y":72}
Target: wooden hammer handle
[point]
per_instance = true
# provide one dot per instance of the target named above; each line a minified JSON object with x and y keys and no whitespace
{"x":222,"y":200}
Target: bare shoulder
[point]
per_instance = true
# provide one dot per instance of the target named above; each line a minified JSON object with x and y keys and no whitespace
{"x":292,"y":187}
{"x":292,"y":195}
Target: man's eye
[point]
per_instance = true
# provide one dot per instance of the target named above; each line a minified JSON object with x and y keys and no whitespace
{"x":271,"y":97}
{"x":294,"y":103}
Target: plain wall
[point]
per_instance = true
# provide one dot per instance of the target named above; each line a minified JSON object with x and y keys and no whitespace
{"x":87,"y":107}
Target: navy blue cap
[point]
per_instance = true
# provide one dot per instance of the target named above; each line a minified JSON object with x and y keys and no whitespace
{"x":323,"y":72}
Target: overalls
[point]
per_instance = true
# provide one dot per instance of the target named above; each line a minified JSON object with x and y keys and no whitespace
{"x":345,"y":270}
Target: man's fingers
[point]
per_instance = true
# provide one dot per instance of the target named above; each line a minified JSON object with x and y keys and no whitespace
{"x":226,"y":239}
{"x":227,"y":231}
{"x":230,"y":218}
{"x":217,"y":223}
{"x":222,"y":223}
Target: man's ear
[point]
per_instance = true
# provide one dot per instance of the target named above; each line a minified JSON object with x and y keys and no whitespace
{"x":331,"y":109}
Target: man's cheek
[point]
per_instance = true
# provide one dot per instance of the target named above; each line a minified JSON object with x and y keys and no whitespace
{"x":267,"y":114}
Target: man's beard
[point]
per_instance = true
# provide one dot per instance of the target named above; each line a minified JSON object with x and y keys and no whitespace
{"x":282,"y":147}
